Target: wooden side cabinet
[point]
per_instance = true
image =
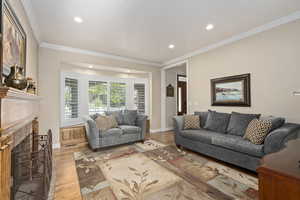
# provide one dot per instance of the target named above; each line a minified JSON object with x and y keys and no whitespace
{"x":279,"y":174}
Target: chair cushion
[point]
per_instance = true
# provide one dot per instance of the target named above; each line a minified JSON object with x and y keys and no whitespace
{"x":217,"y":122}
{"x":114,"y":132}
{"x":203,"y":118}
{"x":201,"y":135}
{"x":129,"y":117}
{"x":130,"y":129}
{"x":239,"y":122}
{"x":237,"y":143}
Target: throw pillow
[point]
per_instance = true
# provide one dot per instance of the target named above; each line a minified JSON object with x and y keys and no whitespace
{"x":117,"y":114}
{"x":277,"y":122}
{"x":258,"y":130}
{"x":203,"y":117}
{"x":217,"y":122}
{"x":129,"y":117}
{"x":239,"y":122}
{"x":191,"y":122}
{"x":105,"y":123}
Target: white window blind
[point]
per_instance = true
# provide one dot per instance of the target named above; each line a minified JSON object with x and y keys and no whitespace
{"x":139,"y":97}
{"x":98,"y":94}
{"x":71,"y":107}
{"x":117,"y":95}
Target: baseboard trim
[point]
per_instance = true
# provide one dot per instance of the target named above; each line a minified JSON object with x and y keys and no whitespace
{"x":155,"y":130}
{"x":167,"y":129}
{"x":161,"y":130}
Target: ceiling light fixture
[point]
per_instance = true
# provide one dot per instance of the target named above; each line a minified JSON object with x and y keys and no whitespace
{"x":209,"y":27}
{"x":171,"y":46}
{"x":91,"y":66}
{"x":78,"y":20}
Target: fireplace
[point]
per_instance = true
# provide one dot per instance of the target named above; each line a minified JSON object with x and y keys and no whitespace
{"x":25,"y":154}
{"x":32,"y":167}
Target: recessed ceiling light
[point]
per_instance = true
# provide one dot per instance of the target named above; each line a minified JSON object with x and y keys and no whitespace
{"x":171,"y":46}
{"x":209,"y":27}
{"x":128,"y":71}
{"x":78,"y":19}
{"x":91,"y":66}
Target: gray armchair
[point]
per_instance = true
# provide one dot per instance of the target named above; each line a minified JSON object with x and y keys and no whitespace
{"x":121,"y":135}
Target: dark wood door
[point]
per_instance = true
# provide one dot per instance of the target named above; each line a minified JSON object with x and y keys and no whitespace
{"x":181,"y":95}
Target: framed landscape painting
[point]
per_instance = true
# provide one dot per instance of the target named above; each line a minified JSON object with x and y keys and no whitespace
{"x":231,"y":91}
{"x":14,"y":40}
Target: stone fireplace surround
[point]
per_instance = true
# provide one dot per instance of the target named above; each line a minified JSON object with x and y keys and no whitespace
{"x":18,"y":129}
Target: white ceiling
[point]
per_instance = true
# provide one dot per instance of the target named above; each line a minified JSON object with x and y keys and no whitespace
{"x":143,"y":29}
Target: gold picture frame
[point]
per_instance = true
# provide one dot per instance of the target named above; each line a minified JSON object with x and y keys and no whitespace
{"x":13,"y":48}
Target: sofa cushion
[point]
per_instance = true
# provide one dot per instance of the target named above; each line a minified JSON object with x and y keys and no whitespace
{"x":239,"y":122}
{"x":277,"y":122}
{"x":258,"y":130}
{"x":201,"y":135}
{"x":191,"y":122}
{"x":129,"y":117}
{"x":94,"y":116}
{"x":105,"y":123}
{"x":203,"y":118}
{"x":114,"y":132}
{"x":238,"y":144}
{"x":117,"y":114}
{"x":217,"y":122}
{"x":130,"y":129}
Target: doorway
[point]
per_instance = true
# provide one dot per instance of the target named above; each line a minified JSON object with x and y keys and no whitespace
{"x":181,"y":95}
{"x":175,"y":94}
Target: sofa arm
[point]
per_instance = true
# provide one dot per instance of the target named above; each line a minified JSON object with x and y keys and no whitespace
{"x":277,"y":139}
{"x":178,"y":124}
{"x":92,"y":132}
{"x":141,"y":121}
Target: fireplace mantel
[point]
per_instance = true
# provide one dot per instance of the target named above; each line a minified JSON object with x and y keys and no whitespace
{"x":18,"y":109}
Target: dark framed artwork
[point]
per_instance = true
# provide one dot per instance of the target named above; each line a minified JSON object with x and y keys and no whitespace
{"x":231,"y":91}
{"x":13,"y":48}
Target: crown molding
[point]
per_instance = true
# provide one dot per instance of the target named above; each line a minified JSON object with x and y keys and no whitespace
{"x":97,"y":54}
{"x":283,"y":20}
{"x":32,"y":19}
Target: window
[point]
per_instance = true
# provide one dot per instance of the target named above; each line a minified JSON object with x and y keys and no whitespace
{"x":98,"y":94}
{"x":71,"y":107}
{"x":83,"y":95}
{"x":139,"y":97}
{"x":117,"y":95}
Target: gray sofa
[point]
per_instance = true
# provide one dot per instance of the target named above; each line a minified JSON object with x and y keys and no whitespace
{"x":121,"y":135}
{"x":232,"y":148}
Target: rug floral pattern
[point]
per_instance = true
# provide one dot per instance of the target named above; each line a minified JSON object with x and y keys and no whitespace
{"x":154,"y":171}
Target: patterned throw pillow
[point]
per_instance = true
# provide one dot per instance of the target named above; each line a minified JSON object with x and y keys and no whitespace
{"x":105,"y":123}
{"x":258,"y":130}
{"x":191,"y":122}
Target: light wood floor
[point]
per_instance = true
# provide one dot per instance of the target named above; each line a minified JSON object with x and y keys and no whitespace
{"x":66,"y":181}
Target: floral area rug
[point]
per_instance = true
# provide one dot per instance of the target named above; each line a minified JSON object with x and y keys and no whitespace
{"x":154,"y":171}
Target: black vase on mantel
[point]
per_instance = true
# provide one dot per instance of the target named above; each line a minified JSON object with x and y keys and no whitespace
{"x":16,"y":79}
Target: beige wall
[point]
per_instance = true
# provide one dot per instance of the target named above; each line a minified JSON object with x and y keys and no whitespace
{"x":32,"y":44}
{"x":51,"y":62}
{"x":273,"y":60}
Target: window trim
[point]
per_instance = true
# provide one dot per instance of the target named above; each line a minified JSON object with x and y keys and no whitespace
{"x":78,"y":120}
